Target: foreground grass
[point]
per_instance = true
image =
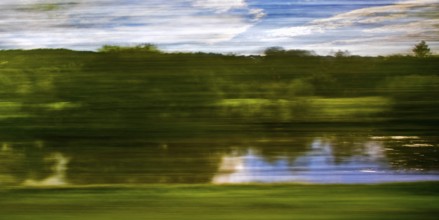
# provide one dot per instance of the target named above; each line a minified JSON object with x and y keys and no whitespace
{"x":387,"y":201}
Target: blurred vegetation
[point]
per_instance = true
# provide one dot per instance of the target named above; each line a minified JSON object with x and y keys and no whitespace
{"x":139,"y":115}
{"x":138,"y":48}
{"x":388,"y":201}
{"x":133,"y":92}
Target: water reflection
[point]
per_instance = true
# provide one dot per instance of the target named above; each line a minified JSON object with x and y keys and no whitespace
{"x":319,"y":165}
{"x":325,"y":159}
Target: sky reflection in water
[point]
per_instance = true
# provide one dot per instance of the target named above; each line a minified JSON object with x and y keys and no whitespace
{"x":329,"y":159}
{"x":319,"y":165}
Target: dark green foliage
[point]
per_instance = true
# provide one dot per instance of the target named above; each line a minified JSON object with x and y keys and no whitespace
{"x":139,"y":91}
{"x":279,"y":51}
{"x":421,"y":49}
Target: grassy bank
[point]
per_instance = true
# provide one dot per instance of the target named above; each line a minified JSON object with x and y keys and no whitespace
{"x":387,"y":201}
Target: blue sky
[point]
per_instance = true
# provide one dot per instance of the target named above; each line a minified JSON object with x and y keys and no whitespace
{"x":364,"y":27}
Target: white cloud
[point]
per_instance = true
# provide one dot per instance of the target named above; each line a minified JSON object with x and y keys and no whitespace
{"x":296,"y":31}
{"x":220,"y":5}
{"x":372,"y":15}
{"x":210,"y":25}
{"x":376,"y":14}
{"x":257,"y":13}
{"x":414,"y":27}
{"x":381,"y":19}
{"x":88,"y":24}
{"x":364,"y":30}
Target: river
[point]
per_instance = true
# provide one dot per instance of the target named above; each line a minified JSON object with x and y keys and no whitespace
{"x":322,"y":159}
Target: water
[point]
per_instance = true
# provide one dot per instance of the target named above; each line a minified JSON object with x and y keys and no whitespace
{"x":334,"y":158}
{"x":369,"y":164}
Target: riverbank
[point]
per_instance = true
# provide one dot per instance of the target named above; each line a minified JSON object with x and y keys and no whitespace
{"x":176,"y":201}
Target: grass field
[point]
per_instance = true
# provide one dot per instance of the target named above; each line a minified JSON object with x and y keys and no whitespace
{"x":310,"y":109}
{"x":386,"y":201}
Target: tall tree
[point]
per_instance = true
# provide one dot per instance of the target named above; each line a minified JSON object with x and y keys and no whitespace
{"x":421,"y":49}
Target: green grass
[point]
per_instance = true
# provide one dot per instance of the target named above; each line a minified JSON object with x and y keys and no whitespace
{"x":387,"y":201}
{"x":352,"y":109}
{"x":311,"y":109}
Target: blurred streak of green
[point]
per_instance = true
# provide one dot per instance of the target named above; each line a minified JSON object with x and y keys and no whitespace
{"x":388,"y":201}
{"x":142,"y":104}
{"x":139,"y":92}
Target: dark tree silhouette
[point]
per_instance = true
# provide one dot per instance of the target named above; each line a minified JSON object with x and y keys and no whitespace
{"x":341,"y":53}
{"x":421,"y":49}
{"x":280,"y":51}
{"x":274,"y":51}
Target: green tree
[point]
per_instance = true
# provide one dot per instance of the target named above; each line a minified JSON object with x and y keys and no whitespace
{"x":341,"y":53}
{"x":421,"y":49}
{"x":146,"y":47}
{"x":274,"y":51}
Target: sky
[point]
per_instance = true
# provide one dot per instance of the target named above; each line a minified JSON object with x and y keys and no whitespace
{"x":363,"y":27}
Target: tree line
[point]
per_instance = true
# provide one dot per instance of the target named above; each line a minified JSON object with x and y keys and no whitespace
{"x":142,"y":92}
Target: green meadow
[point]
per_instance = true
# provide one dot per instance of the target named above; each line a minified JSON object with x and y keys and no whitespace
{"x":388,"y":201}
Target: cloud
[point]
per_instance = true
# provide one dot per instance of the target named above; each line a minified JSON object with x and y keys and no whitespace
{"x":397,"y":11}
{"x":220,"y":5}
{"x":89,"y":24}
{"x":397,"y":25}
{"x":257,"y":13}
{"x":381,"y":15}
{"x":216,"y":25}
{"x":297,"y":31}
{"x":413,"y":27}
